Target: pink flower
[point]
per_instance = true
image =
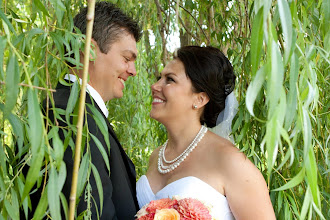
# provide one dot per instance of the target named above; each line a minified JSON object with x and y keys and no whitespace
{"x":147,"y":217}
{"x":193,"y":209}
{"x":174,"y":209}
{"x":161,"y":204}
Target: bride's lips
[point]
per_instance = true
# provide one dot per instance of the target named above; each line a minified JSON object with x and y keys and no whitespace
{"x":156,"y":100}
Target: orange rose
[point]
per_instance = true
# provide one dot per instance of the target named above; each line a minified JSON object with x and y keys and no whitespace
{"x":167,"y":214}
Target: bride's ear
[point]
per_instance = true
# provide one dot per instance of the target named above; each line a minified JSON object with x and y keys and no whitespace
{"x":201,"y":100}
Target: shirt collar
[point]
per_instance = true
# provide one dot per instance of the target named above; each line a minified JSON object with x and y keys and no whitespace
{"x":95,"y":95}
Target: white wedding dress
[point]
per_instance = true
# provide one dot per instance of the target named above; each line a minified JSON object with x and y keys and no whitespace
{"x":187,"y":187}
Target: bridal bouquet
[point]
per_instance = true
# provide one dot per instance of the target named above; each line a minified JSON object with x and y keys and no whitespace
{"x":169,"y":209}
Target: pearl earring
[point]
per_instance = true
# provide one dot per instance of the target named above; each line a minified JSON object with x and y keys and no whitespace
{"x":195,"y":106}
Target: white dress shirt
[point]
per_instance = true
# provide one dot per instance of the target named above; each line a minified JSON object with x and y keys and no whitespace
{"x":95,"y":95}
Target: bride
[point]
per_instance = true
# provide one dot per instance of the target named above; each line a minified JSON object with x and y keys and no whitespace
{"x":195,"y":162}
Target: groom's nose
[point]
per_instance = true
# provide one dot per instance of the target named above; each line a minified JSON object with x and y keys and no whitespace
{"x":131,"y":69}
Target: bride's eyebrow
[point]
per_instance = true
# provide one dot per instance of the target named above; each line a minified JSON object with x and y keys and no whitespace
{"x":169,"y":74}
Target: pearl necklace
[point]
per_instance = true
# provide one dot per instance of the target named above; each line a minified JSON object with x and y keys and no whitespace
{"x":179,"y":159}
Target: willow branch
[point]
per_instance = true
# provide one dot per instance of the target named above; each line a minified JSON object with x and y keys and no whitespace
{"x":31,"y":86}
{"x":188,"y":31}
{"x":159,"y":13}
{"x":90,"y":20}
{"x":24,"y":64}
{"x":162,"y":30}
{"x":248,"y":23}
{"x":199,"y":25}
{"x":240,"y":18}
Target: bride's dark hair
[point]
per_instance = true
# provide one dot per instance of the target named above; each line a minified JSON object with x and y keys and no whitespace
{"x":211,"y":72}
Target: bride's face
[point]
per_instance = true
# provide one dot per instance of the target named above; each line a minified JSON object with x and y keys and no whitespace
{"x":173,"y":95}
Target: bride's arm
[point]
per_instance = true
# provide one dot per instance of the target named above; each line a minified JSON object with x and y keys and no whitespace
{"x":246,"y":189}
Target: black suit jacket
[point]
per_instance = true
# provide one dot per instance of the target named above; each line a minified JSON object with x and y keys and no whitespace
{"x":119,"y":192}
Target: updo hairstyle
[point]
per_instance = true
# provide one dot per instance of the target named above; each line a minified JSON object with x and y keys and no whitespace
{"x":211,"y":72}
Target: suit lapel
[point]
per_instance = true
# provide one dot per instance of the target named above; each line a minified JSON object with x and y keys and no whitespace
{"x":130,"y":168}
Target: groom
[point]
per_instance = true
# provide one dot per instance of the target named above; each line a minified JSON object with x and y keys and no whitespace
{"x":114,"y":36}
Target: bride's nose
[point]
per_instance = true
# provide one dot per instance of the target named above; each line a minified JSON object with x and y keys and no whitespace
{"x":156,"y":86}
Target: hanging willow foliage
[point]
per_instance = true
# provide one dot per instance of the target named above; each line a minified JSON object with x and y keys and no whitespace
{"x":280,"y":53}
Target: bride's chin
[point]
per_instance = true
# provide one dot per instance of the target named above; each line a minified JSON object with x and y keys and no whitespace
{"x":154,"y":116}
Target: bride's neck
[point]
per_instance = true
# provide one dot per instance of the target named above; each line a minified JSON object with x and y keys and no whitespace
{"x":180,"y":136}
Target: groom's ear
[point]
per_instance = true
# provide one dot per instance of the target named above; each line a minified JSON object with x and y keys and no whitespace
{"x":93,"y":51}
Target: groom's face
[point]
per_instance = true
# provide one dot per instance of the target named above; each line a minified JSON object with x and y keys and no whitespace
{"x":109,"y":71}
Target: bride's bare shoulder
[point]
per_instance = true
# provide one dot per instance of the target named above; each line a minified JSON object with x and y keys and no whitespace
{"x":221,"y":146}
{"x":225,"y":154}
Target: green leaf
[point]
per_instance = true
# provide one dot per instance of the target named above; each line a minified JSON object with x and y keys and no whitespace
{"x":40,"y":6}
{"x":6,"y":21}
{"x":257,"y":36}
{"x":82,"y":175}
{"x":12,"y":88}
{"x":59,"y":10}
{"x":11,"y":210}
{"x":293,"y":205}
{"x":307,"y":203}
{"x":58,"y":149}
{"x":61,"y":176}
{"x":326,"y":16}
{"x":18,"y":129}
{"x":14,"y":202}
{"x":64,"y":205}
{"x":279,"y":201}
{"x":59,"y":42}
{"x":281,"y":108}
{"x":32,"y":33}
{"x":102,"y":151}
{"x":310,"y":95}
{"x":3,"y":159}
{"x":318,"y":211}
{"x":311,"y":173}
{"x":25,"y":203}
{"x":275,"y":79}
{"x":307,"y":130}
{"x":53,"y":194}
{"x":2,"y":183}
{"x":35,"y":122}
{"x":33,"y":173}
{"x":290,"y":153}
{"x":101,"y":123}
{"x":99,"y":186}
{"x":286,"y":21}
{"x":74,"y":95}
{"x":254,"y":88}
{"x":271,"y":142}
{"x":291,"y":111}
{"x":293,"y":182}
{"x":3,"y":42}
{"x":327,"y":43}
{"x":42,"y":205}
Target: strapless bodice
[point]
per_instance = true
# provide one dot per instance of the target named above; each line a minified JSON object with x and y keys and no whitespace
{"x":190,"y":186}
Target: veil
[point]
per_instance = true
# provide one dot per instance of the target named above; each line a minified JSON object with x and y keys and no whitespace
{"x":225,"y":118}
